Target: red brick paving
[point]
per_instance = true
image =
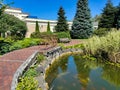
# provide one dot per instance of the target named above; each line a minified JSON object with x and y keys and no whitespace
{"x":7,"y":70}
{"x":10,"y":62}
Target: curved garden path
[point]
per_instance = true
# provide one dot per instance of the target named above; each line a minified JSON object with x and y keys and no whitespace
{"x":10,"y":62}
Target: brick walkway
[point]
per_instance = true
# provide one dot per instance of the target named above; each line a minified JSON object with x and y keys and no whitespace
{"x":10,"y":62}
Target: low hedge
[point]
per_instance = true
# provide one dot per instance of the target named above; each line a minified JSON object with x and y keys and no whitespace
{"x":45,"y":34}
{"x":63,"y":35}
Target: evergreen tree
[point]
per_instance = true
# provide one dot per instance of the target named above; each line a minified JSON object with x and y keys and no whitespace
{"x":37,"y":27}
{"x":48,"y":27}
{"x":118,"y":17}
{"x":108,"y":16}
{"x":62,"y":22}
{"x":82,"y":25}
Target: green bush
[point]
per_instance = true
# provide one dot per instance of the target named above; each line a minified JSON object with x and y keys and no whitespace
{"x":40,"y":58}
{"x":101,"y":31}
{"x":4,"y":45}
{"x":27,"y":83}
{"x":63,"y":34}
{"x":24,"y":43}
{"x":41,"y":35}
{"x":35,"y":35}
{"x":48,"y":37}
{"x":46,"y":34}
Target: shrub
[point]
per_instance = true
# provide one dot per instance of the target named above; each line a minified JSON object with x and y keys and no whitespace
{"x":63,"y":35}
{"x":5,"y":45}
{"x":35,"y":35}
{"x":101,"y":31}
{"x":24,"y":43}
{"x":27,"y":83}
{"x":41,"y":35}
{"x":46,"y":34}
{"x":49,"y":37}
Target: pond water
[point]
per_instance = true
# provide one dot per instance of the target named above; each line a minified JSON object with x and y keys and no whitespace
{"x":72,"y":72}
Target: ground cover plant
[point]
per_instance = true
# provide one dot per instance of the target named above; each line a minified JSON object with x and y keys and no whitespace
{"x":28,"y":80}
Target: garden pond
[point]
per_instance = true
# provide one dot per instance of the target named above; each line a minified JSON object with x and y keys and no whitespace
{"x":73,"y":72}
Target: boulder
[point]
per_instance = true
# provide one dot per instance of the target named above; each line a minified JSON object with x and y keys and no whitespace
{"x":64,"y":40}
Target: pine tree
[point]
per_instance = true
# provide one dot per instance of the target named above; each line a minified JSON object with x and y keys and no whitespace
{"x":82,"y":25}
{"x":108,"y":16}
{"x":118,"y":17}
{"x":62,"y":22}
{"x":37,"y":27}
{"x":48,"y":27}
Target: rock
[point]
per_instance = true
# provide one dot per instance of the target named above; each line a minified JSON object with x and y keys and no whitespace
{"x":40,"y":69}
{"x":64,"y":40}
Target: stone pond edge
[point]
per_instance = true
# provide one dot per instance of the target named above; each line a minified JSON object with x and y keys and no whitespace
{"x":50,"y":55}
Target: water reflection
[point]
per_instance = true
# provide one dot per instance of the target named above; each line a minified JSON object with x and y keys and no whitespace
{"x":76,"y":73}
{"x":112,"y":74}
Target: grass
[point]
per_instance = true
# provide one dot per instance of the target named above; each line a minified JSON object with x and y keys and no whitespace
{"x":40,"y":58}
{"x":106,"y":47}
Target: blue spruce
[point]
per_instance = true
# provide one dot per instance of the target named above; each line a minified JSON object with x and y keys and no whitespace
{"x":82,"y":25}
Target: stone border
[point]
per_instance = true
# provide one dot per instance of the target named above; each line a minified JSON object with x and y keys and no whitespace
{"x":21,"y":69}
{"x":51,"y":56}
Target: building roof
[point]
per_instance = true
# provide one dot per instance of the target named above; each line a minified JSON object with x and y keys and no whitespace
{"x":32,"y":17}
{"x":14,"y":8}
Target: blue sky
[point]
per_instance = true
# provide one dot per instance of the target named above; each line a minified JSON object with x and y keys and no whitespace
{"x":47,"y":9}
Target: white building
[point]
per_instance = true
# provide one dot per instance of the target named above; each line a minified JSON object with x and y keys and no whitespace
{"x":95,"y":25}
{"x":31,"y":21}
